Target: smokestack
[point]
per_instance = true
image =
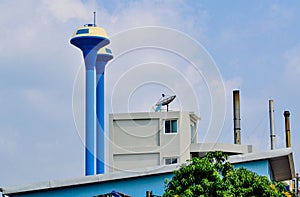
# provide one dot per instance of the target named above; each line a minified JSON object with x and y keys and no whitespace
{"x":287,"y":128}
{"x":236,"y":117}
{"x":272,"y":124}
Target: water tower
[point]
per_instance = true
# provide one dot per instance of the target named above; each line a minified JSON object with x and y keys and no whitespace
{"x":90,"y":39}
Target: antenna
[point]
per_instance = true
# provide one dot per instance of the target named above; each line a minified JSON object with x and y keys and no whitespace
{"x":94,"y":19}
{"x":164,"y":101}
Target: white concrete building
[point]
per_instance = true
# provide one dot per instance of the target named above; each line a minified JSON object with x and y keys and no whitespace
{"x":139,"y":140}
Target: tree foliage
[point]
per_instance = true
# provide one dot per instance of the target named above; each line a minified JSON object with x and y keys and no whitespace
{"x":213,"y":176}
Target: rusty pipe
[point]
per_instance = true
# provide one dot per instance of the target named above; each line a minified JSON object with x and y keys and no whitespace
{"x":287,"y":128}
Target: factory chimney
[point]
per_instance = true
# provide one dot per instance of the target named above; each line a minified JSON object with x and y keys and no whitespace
{"x":287,"y":128}
{"x":236,"y":117}
{"x":272,"y":124}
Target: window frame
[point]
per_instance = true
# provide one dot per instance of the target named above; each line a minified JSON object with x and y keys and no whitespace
{"x":192,"y":132}
{"x":82,"y":31}
{"x":171,"y":127}
{"x":171,"y":160}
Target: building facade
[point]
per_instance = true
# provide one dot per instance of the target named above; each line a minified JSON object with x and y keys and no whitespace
{"x":139,"y":140}
{"x":148,"y":139}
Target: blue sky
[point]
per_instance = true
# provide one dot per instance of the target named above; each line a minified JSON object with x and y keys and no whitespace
{"x":255,"y":45}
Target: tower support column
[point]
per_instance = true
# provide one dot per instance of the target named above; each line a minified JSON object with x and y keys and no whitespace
{"x":100,"y":110}
{"x":104,"y":55}
{"x":89,"y":123}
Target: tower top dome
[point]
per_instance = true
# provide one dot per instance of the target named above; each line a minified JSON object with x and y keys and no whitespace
{"x":89,"y":30}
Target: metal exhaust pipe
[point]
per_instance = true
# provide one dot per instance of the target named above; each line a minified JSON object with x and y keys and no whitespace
{"x":287,"y":128}
{"x":272,"y":124}
{"x":236,"y":117}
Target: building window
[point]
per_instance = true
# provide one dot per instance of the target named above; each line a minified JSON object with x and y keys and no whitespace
{"x":192,"y":125}
{"x":171,"y":160}
{"x":170,"y":126}
{"x":82,"y":31}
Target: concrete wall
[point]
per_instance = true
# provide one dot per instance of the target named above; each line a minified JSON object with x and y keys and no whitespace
{"x":141,"y":160}
{"x":143,"y":132}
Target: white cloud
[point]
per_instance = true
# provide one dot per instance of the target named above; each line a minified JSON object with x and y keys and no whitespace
{"x":233,"y":84}
{"x":173,"y":14}
{"x":64,"y":10}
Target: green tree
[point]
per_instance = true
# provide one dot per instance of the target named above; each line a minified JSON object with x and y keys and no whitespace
{"x":213,"y":176}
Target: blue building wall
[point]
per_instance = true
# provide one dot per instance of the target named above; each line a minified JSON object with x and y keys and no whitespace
{"x":135,"y":187}
{"x":261,"y":167}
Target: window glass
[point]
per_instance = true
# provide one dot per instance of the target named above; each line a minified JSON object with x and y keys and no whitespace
{"x":170,"y":126}
{"x":192,"y":133}
{"x":174,"y":126}
{"x":82,"y":31}
{"x":171,"y":160}
{"x":167,"y":126}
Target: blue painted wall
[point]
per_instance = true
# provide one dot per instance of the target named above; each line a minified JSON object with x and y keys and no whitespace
{"x":260,"y":167}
